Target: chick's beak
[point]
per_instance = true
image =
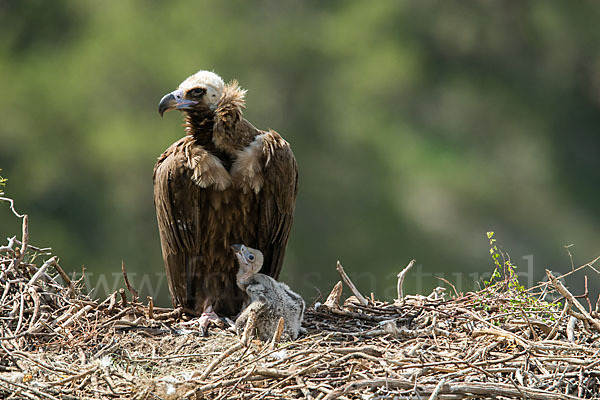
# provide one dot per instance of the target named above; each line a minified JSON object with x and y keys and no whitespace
{"x":237,"y":248}
{"x":174,"y":101}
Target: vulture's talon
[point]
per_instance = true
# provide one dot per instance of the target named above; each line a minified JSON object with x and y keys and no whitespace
{"x":208,"y":318}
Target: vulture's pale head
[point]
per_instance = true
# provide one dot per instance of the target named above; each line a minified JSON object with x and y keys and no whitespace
{"x":250,"y":261}
{"x":200,"y":91}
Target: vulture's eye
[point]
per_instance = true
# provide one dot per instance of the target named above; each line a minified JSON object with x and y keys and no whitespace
{"x":251,"y":257}
{"x":197,"y":92}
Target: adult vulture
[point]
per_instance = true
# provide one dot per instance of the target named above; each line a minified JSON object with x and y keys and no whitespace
{"x":224,"y":182}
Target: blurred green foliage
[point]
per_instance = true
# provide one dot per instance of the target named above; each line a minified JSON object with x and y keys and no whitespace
{"x":417,"y":126}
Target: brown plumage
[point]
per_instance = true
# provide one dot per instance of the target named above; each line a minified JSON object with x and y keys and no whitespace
{"x":225,"y":182}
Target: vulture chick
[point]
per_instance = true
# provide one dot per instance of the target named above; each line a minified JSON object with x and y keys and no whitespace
{"x":224,"y":182}
{"x":269,"y":299}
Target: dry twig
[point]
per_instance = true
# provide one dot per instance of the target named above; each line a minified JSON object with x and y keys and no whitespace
{"x":573,"y":301}
{"x":401,"y":276}
{"x":350,"y":285}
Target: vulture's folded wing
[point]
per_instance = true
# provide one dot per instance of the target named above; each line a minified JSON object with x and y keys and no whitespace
{"x":277,"y":201}
{"x":175,"y":199}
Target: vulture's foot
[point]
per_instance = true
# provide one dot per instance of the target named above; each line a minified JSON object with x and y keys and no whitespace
{"x":208,"y":316}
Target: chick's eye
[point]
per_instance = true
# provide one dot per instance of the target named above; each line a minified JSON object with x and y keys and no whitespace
{"x":251,"y":257}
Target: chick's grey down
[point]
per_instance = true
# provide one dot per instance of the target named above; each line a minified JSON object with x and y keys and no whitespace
{"x":269,"y":299}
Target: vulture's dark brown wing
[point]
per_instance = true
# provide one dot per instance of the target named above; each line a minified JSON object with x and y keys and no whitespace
{"x":277,"y":201}
{"x":175,"y":199}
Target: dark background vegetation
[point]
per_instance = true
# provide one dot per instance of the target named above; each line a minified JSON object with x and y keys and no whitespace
{"x":417,"y":126}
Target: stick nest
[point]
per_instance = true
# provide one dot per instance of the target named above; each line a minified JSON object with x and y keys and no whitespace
{"x":501,"y":342}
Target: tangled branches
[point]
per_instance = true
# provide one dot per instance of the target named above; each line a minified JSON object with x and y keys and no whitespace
{"x":500,"y":342}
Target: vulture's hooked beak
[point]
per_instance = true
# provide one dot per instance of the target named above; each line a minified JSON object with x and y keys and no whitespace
{"x":174,"y":101}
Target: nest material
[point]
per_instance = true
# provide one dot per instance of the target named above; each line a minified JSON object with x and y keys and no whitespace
{"x":57,"y":343}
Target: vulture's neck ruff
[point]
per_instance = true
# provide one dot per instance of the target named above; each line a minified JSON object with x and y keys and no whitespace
{"x":199,"y":124}
{"x":222,"y":131}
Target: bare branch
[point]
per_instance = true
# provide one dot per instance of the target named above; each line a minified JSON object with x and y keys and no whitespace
{"x":350,"y":285}
{"x":401,"y":276}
